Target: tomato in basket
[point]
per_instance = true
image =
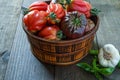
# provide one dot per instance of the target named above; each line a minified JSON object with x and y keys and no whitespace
{"x":35,"y":20}
{"x":38,"y":5}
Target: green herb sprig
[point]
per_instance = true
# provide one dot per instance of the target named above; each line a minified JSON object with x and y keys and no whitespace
{"x":95,"y":68}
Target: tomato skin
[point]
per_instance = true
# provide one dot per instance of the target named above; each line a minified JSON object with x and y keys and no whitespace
{"x":58,"y":11}
{"x":49,"y":32}
{"x":35,"y":20}
{"x":73,"y":25}
{"x":80,"y":6}
{"x":38,"y":5}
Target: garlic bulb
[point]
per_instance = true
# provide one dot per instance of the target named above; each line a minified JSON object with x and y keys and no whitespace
{"x":109,"y":56}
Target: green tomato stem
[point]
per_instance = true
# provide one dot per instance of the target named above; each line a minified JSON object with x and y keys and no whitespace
{"x":25,"y":10}
{"x":52,"y":15}
{"x":95,"y":11}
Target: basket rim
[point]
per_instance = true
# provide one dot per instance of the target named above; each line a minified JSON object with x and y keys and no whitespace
{"x":64,"y":41}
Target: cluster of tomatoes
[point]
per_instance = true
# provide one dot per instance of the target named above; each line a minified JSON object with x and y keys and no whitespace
{"x":44,"y":18}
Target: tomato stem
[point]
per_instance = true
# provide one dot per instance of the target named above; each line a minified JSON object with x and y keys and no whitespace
{"x":64,"y":3}
{"x":52,"y":15}
{"x":60,"y":34}
{"x":76,"y":21}
{"x":95,"y":11}
{"x":25,"y":10}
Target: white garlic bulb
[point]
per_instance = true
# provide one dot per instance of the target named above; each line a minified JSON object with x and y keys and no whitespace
{"x":109,"y":56}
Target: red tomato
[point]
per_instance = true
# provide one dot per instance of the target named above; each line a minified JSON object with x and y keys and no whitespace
{"x":80,"y":6}
{"x":38,"y":5}
{"x":49,"y":32}
{"x":35,"y":20}
{"x":56,"y":13}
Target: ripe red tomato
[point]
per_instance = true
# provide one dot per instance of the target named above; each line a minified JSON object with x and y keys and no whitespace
{"x":35,"y":20}
{"x":80,"y":6}
{"x":38,"y":5}
{"x":49,"y":32}
{"x":57,"y":9}
{"x":56,"y":13}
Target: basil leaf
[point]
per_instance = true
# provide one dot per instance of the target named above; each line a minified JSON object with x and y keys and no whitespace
{"x":106,"y":71}
{"x":118,"y":65}
{"x":98,"y":76}
{"x":94,"y":62}
{"x":85,"y":66}
{"x":94,"y":52}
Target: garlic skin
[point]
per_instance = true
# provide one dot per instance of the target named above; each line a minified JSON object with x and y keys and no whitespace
{"x":109,"y":56}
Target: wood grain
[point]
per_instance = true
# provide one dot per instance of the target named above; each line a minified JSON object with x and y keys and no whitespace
{"x":22,"y":64}
{"x":110,"y":22}
{"x":109,"y":29}
{"x":9,"y":15}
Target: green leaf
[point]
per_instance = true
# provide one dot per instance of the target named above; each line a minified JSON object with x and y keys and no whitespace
{"x":94,"y":64}
{"x":98,"y":76}
{"x":94,"y":11}
{"x":85,"y":66}
{"x":118,"y":65}
{"x":25,"y":10}
{"x":94,"y":52}
{"x":106,"y":71}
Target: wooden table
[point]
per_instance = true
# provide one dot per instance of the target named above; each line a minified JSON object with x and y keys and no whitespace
{"x":18,"y":63}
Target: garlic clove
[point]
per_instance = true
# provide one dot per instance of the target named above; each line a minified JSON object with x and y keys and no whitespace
{"x":102,"y":60}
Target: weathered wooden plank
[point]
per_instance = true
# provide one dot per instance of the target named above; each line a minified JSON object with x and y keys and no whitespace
{"x":109,"y":26}
{"x":22,"y":64}
{"x":9,"y":15}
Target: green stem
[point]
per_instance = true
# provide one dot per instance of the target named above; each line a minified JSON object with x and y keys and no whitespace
{"x":95,"y":11}
{"x":25,"y":10}
{"x":52,"y":15}
{"x":76,"y":21}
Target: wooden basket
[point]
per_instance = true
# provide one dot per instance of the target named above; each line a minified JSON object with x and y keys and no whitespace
{"x":62,"y":52}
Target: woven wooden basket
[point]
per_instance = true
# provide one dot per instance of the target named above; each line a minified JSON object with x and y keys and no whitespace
{"x":62,"y":52}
